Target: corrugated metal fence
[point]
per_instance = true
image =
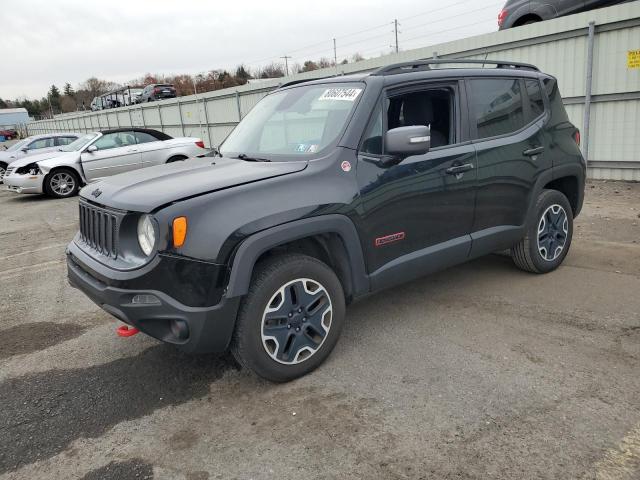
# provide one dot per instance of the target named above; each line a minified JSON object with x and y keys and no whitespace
{"x":559,"y":47}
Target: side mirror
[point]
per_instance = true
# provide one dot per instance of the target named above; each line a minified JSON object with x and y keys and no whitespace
{"x":25,"y":149}
{"x":92,"y":148}
{"x":406,"y":141}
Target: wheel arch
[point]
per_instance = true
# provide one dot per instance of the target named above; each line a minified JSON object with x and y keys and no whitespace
{"x":526,"y":18}
{"x":330,"y":238}
{"x":569,"y":179}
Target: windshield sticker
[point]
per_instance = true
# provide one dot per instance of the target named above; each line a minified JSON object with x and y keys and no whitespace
{"x":312,"y":148}
{"x":348,"y":94}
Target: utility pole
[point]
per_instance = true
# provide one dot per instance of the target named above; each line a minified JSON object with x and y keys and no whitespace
{"x":286,"y":64}
{"x":335,"y":56}
{"x":395,"y":28}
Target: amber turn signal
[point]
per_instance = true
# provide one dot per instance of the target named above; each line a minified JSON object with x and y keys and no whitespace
{"x":179,"y":231}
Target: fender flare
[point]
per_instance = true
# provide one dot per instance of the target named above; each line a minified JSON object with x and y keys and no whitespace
{"x":554,"y":173}
{"x":251,"y":248}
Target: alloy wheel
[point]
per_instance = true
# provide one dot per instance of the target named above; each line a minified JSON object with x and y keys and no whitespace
{"x":296,"y":321}
{"x":62,"y":183}
{"x":553,"y":230}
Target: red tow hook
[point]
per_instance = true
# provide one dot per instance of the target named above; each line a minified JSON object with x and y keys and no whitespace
{"x":125,"y":331}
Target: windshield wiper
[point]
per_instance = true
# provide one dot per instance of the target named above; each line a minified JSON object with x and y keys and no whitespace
{"x":247,"y":158}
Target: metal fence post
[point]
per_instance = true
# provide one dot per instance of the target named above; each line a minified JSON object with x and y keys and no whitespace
{"x":160,"y":117}
{"x":144,"y":122}
{"x":238,"y":105}
{"x":130,"y":119}
{"x":587,"y":95}
{"x":180,"y":112}
{"x":206,"y":121}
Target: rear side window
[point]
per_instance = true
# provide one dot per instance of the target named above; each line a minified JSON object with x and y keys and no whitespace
{"x":534,"y":97}
{"x":558,"y":112}
{"x":143,"y":137}
{"x":497,"y":106}
{"x":62,"y":141}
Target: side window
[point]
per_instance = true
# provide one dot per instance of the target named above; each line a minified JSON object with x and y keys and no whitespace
{"x":534,"y":95}
{"x":372,"y":142}
{"x":558,"y":112}
{"x":115,"y":140}
{"x":62,"y":141}
{"x":143,"y":137}
{"x":497,"y":106}
{"x":41,"y":143}
{"x":433,"y":107}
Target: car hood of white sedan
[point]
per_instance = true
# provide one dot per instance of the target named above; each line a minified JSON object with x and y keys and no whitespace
{"x":48,"y":160}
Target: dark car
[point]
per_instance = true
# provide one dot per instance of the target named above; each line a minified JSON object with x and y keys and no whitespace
{"x":326,"y":192}
{"x":523,"y":12}
{"x":157,"y":91}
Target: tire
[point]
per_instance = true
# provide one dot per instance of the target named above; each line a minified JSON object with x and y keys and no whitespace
{"x":3,"y":170}
{"x":177,"y":158}
{"x":64,"y":176}
{"x":306,"y":339}
{"x":549,"y":234}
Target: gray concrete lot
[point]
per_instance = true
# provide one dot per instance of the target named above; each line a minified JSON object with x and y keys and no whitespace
{"x":481,"y":371}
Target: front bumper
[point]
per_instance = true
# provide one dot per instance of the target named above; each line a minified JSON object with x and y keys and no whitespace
{"x":24,"y":183}
{"x":191,"y":329}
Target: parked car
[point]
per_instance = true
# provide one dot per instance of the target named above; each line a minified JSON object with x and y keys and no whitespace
{"x":157,"y":91}
{"x":8,"y":133}
{"x":96,"y":155}
{"x":523,"y":12}
{"x":372,"y":180}
{"x":35,"y":144}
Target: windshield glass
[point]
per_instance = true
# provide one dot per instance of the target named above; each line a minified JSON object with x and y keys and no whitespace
{"x":296,"y":122}
{"x":79,"y":143}
{"x":17,"y":146}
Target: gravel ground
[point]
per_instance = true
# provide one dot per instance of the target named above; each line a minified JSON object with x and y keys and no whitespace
{"x":481,"y":371}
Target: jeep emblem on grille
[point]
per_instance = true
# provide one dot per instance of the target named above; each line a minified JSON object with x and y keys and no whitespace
{"x":96,"y":193}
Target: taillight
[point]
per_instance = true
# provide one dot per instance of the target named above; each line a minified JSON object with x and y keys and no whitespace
{"x":156,"y":90}
{"x":200,"y":143}
{"x":576,"y":137}
{"x":501,"y":16}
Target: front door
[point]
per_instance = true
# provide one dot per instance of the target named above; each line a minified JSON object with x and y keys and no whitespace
{"x":418,"y":212}
{"x":116,"y":153}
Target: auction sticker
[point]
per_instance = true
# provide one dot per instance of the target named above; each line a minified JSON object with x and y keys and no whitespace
{"x":347,"y":94}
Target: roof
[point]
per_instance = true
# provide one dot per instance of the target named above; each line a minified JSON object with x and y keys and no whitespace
{"x":13,"y":110}
{"x":155,"y":133}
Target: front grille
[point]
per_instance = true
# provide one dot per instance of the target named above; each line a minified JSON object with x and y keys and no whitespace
{"x":99,"y":228}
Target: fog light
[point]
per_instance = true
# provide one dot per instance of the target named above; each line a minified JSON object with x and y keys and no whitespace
{"x":179,"y":329}
{"x":145,"y":300}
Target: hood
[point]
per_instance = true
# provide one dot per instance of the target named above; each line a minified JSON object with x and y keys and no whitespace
{"x":42,"y":159}
{"x":146,"y":189}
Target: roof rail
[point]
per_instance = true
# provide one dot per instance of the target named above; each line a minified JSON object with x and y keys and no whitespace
{"x":424,"y":64}
{"x":295,"y":82}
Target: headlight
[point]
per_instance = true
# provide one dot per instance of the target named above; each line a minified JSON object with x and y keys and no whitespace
{"x":146,"y":234}
{"x":31,"y":169}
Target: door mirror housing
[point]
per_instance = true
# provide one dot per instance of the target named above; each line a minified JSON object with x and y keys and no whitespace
{"x":25,"y":149}
{"x":406,"y":141}
{"x":92,"y":148}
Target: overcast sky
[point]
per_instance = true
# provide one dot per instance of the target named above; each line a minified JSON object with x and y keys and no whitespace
{"x":71,"y":40}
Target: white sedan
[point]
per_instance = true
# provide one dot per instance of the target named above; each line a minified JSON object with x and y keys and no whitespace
{"x":97,"y":155}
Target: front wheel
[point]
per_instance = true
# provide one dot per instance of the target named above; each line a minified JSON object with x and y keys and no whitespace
{"x":548,"y":236}
{"x":291,"y":318}
{"x":62,"y":183}
{"x":3,"y":170}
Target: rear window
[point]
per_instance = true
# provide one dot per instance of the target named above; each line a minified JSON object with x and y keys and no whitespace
{"x":497,"y":106}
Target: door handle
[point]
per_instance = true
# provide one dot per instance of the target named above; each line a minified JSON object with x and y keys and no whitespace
{"x":459,"y":169}
{"x":533,"y":151}
{"x":133,"y":150}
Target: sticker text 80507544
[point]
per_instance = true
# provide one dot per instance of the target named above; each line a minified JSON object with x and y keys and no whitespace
{"x":348,"y":94}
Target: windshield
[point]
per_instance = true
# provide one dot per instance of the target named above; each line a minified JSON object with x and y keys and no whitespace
{"x":17,"y":146}
{"x":296,"y":122}
{"x":79,"y":143}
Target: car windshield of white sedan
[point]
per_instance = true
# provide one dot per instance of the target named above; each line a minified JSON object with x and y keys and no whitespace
{"x":78,"y":144}
{"x":17,"y":146}
{"x":295,"y":122}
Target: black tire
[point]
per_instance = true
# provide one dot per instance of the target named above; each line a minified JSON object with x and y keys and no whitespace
{"x":545,"y":251}
{"x":177,"y":158}
{"x":54,"y":190}
{"x":3,"y":170}
{"x":270,"y":279}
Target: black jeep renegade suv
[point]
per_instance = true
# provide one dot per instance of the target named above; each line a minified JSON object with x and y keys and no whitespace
{"x":327,"y":191}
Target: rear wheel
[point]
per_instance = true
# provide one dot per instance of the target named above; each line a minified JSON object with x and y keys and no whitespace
{"x":62,"y":183}
{"x":177,"y":158}
{"x":3,"y":170}
{"x":291,"y":318}
{"x":548,"y":236}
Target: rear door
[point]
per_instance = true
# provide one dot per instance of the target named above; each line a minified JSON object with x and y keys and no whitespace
{"x":507,"y":115}
{"x":117,"y":153}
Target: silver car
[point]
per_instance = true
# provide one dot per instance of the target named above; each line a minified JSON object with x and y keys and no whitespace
{"x":97,"y":155}
{"x":34,"y":145}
